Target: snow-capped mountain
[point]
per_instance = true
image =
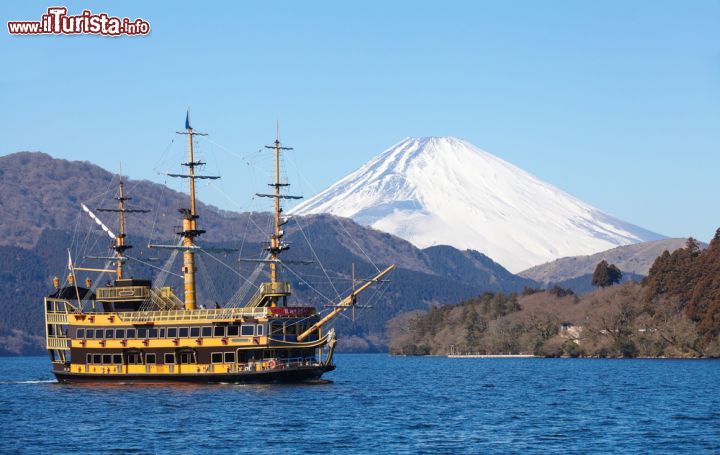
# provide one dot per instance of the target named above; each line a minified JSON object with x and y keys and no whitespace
{"x":445,"y":191}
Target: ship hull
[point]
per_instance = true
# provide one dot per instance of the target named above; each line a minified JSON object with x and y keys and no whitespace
{"x":285,"y":376}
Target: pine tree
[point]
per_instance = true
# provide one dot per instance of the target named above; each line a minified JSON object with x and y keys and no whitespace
{"x":615,"y":274}
{"x":606,"y":274}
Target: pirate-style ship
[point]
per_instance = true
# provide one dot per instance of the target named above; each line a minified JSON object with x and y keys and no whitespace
{"x":131,"y":331}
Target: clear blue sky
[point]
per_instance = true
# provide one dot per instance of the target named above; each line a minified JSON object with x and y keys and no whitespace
{"x":616,"y":102}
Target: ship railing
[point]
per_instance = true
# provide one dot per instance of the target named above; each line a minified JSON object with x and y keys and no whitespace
{"x":128,"y":292}
{"x":266,"y":290}
{"x":56,"y":322}
{"x":167,"y":293}
{"x":56,"y":318}
{"x":297,"y":362}
{"x":183,"y":315}
{"x":164,"y":300}
{"x":58,"y":343}
{"x":263,"y":364}
{"x":60,"y":306}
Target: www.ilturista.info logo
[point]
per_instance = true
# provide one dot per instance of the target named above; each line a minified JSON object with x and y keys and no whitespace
{"x":57,"y":22}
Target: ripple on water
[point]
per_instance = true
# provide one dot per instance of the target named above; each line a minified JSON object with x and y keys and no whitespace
{"x":376,"y":403}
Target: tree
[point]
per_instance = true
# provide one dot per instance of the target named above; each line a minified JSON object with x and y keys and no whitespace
{"x":606,"y":274}
{"x":475,"y":325}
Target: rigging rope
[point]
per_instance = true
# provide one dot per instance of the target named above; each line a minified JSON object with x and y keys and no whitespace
{"x":205,"y":276}
{"x":285,"y":266}
{"x":317,"y":258}
{"x":157,"y":211}
{"x":242,"y":292}
{"x":228,"y":267}
{"x":301,"y":178}
{"x":161,"y":277}
{"x":153,"y":266}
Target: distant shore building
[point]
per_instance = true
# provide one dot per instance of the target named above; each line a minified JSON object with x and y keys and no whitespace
{"x":571,"y":331}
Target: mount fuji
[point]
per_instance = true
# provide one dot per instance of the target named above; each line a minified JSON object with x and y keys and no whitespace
{"x":445,"y":191}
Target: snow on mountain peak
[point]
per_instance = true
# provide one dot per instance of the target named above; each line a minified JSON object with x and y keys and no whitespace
{"x":445,"y":191}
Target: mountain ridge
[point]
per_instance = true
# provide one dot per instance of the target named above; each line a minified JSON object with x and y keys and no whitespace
{"x":636,"y":259}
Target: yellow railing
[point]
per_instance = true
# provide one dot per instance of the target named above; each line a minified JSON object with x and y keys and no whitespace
{"x":184,"y":315}
{"x":167,"y":294}
{"x":58,"y":343}
{"x":56,"y":318}
{"x":165,"y":301}
{"x":268,"y":289}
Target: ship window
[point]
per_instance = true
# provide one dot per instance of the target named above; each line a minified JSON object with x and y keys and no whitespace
{"x":172,"y":332}
{"x":153,"y":333}
{"x":107,"y":359}
{"x":130,"y":333}
{"x":219,"y":331}
{"x":161,"y":332}
{"x":89,"y":334}
{"x":133,"y":358}
{"x":120,"y":333}
{"x":187,"y":357}
{"x":117,"y":358}
{"x":80,"y":333}
{"x":206,"y":332}
{"x":229,"y":357}
{"x":259,"y":330}
{"x":232,"y":330}
{"x":142,"y":332}
{"x":170,"y":358}
{"x":247,"y":330}
{"x":109,"y":333}
{"x":183,"y":332}
{"x":150,"y":359}
{"x":88,"y":358}
{"x":276,"y":328}
{"x":97,"y":358}
{"x":195,"y":332}
{"x":216,"y":357}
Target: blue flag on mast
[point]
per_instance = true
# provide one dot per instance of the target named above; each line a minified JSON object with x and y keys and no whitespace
{"x":187,"y":120}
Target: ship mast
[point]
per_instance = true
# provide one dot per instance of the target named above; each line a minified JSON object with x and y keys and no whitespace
{"x":276,"y":244}
{"x":189,"y":217}
{"x":119,"y":244}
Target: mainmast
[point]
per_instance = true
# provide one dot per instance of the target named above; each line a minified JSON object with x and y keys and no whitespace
{"x":189,"y":217}
{"x":119,"y":244}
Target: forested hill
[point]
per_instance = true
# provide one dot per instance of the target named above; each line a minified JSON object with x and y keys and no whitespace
{"x":675,"y":312}
{"x":41,"y":198}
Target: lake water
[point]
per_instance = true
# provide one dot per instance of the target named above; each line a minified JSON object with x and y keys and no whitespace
{"x":379,"y":404}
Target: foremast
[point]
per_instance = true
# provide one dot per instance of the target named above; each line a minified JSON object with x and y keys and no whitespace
{"x":119,"y":242}
{"x":189,"y":217}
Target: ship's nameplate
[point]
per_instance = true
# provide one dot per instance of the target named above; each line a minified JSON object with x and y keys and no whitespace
{"x":291,"y":311}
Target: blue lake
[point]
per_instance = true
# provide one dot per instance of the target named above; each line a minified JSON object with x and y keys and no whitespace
{"x":379,"y":404}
